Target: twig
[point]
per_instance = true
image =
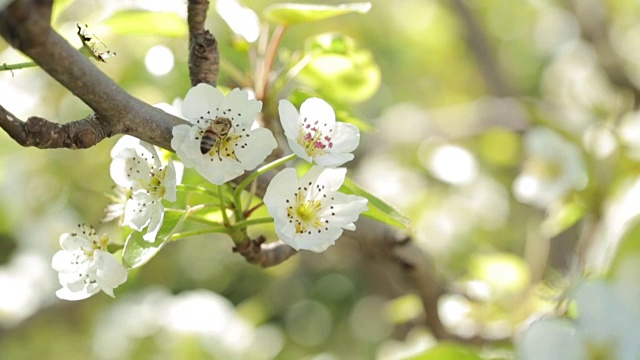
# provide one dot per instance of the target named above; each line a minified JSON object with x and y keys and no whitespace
{"x":44,"y":134}
{"x":204,"y":60}
{"x":481,"y":49}
{"x":265,"y":255}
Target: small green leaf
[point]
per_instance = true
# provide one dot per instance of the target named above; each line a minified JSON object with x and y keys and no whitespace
{"x":291,"y":14}
{"x":147,"y":23}
{"x":629,"y":246}
{"x":447,"y":351}
{"x":138,"y":251}
{"x":378,"y":209}
{"x":338,"y":69}
{"x":561,"y":217}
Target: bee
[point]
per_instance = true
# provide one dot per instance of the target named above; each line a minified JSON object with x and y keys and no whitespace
{"x":215,"y":134}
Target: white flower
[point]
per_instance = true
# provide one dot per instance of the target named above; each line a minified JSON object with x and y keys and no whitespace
{"x":606,"y":328}
{"x":310,"y":213}
{"x":85,"y":266}
{"x":221,"y":144}
{"x":242,"y":20}
{"x":136,"y":167}
{"x":314,"y":134}
{"x":553,"y":168}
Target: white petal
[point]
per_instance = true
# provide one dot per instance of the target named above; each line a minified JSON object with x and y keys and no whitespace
{"x":74,"y":241}
{"x":126,"y":141}
{"x":551,"y":340}
{"x":299,"y":150}
{"x":240,"y":108}
{"x":318,"y":242}
{"x":219,"y":171}
{"x":64,"y":261}
{"x":289,"y":119}
{"x":179,"y":143}
{"x":138,"y":210}
{"x":347,"y":209}
{"x":86,"y":292}
{"x":315,"y":109}
{"x":110,"y":273}
{"x":281,"y":187}
{"x":332,"y":179}
{"x":201,"y":100}
{"x":129,"y":169}
{"x":169,"y":182}
{"x":242,"y":20}
{"x":346,"y":137}
{"x":262,"y":142}
{"x":333,"y":159}
{"x":155,"y":224}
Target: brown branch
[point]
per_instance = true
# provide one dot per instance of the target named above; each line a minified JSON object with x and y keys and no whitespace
{"x":481,"y":49}
{"x":25,"y":25}
{"x":45,"y":134}
{"x":265,"y":255}
{"x":204,"y":60}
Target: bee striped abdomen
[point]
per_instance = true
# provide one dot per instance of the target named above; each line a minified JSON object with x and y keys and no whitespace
{"x":208,"y":142}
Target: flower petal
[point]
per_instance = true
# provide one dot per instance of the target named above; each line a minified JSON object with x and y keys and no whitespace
{"x":242,"y":109}
{"x":201,"y":100}
{"x":289,"y":119}
{"x":262,"y":144}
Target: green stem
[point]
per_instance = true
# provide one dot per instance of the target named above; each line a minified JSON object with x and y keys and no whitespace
{"x":247,"y":223}
{"x":196,"y":188}
{"x":209,"y":230}
{"x":270,"y":56}
{"x":290,"y":74}
{"x":223,"y":210}
{"x":18,"y":66}
{"x":260,"y":171}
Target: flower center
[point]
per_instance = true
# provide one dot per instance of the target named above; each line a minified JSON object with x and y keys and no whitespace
{"x":314,"y":140}
{"x":305,"y":213}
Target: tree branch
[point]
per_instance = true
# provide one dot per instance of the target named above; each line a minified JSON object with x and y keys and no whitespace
{"x":481,"y":49}
{"x":45,"y":134}
{"x":204,"y":60}
{"x":265,"y":255}
{"x":25,"y":25}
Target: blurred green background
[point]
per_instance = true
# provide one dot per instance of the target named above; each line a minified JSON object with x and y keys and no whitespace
{"x":502,"y":208}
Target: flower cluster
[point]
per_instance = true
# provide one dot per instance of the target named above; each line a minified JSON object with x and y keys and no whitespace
{"x":138,"y":170}
{"x":85,"y":266}
{"x":222,"y":141}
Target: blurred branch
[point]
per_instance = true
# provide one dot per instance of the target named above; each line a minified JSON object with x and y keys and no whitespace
{"x":594,"y":28}
{"x":481,"y":49}
{"x":204,"y":60}
{"x":265,"y":255}
{"x":25,"y":25}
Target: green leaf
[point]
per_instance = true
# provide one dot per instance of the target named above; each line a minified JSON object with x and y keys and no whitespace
{"x":138,"y":251}
{"x":140,"y":22}
{"x":559,"y":218}
{"x":338,"y":69}
{"x":448,"y":352}
{"x":378,"y":209}
{"x":628,"y":247}
{"x":291,"y":14}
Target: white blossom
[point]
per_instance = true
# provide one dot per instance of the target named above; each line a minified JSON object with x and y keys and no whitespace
{"x":220,"y":142}
{"x":553,"y":168}
{"x":314,"y":134}
{"x":606,"y":327}
{"x":309,"y":213}
{"x":137,"y":168}
{"x":85,"y":266}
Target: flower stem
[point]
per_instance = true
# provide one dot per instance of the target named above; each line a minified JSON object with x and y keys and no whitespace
{"x":18,"y":66}
{"x":270,"y":56}
{"x":209,"y":230}
{"x":260,"y":171}
{"x":247,"y":223}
